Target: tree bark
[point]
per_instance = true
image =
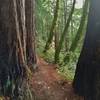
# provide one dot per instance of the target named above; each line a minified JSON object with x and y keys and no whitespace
{"x":17,"y":46}
{"x":56,"y":39}
{"x":50,"y":38}
{"x":81,"y":27}
{"x":87,"y":77}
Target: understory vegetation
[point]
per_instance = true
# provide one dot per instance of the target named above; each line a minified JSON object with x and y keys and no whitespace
{"x":61,"y":26}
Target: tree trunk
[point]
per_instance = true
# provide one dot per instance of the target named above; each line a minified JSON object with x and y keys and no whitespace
{"x":56,"y":39}
{"x":50,"y":38}
{"x":87,"y":76}
{"x":65,"y":21}
{"x":81,"y":27}
{"x":17,"y":47}
{"x":31,"y":32}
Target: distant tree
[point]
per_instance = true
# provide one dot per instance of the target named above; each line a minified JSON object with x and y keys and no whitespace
{"x":17,"y":47}
{"x":56,"y":39}
{"x":81,"y":27}
{"x":51,"y":34}
{"x":87,"y":77}
{"x":57,"y":52}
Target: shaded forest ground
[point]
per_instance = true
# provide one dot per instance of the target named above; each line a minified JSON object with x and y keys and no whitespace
{"x":49,"y":85}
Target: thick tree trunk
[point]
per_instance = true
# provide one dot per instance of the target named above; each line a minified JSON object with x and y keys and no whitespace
{"x":17,"y":46}
{"x":65,"y":21}
{"x":87,"y":76}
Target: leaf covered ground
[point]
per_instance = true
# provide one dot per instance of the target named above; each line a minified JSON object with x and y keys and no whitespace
{"x":49,"y":85}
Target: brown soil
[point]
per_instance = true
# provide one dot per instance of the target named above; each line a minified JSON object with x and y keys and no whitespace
{"x":49,"y":85}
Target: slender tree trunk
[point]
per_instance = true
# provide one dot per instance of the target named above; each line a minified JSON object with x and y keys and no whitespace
{"x":65,"y":11}
{"x":65,"y":21}
{"x":56,"y":39}
{"x":81,"y":27}
{"x":50,"y":38}
{"x":64,"y":33}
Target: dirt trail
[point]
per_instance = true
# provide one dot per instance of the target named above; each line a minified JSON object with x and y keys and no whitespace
{"x":49,"y":85}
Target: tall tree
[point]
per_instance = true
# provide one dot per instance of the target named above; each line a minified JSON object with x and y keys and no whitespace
{"x":81,"y":27}
{"x":87,"y":76}
{"x":57,"y":52}
{"x":65,"y":20}
{"x":50,"y":38}
{"x":17,"y":47}
{"x":56,"y":39}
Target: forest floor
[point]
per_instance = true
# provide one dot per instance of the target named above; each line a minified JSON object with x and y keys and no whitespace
{"x":49,"y":85}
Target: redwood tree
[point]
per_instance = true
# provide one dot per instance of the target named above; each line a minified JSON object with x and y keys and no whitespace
{"x":87,"y":76}
{"x":17,"y":47}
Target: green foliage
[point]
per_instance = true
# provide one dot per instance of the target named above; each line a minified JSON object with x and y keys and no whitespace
{"x":48,"y":55}
{"x":45,"y":15}
{"x":66,"y":70}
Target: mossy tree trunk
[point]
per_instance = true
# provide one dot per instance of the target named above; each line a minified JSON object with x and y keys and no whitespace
{"x":51,"y":34}
{"x":17,"y":47}
{"x":56,"y":39}
{"x":65,"y":21}
{"x":87,"y":77}
{"x":81,"y":27}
